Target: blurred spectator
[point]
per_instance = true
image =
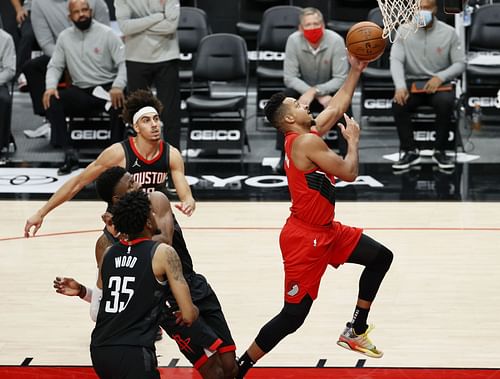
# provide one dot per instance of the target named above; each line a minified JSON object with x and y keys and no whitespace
{"x":315,"y":65}
{"x":434,"y":55}
{"x":26,"y":39}
{"x":93,"y":56}
{"x":7,"y":72}
{"x":49,"y":18}
{"x":152,"y":55}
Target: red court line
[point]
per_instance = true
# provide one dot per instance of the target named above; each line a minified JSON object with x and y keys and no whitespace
{"x":40,"y":372}
{"x":256,"y":228}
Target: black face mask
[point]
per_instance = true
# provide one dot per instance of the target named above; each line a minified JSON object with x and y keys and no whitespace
{"x":83,"y":24}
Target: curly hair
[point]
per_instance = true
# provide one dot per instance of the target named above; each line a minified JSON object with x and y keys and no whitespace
{"x":105,"y":184}
{"x":137,"y":100}
{"x":273,"y":109}
{"x":131,"y":213}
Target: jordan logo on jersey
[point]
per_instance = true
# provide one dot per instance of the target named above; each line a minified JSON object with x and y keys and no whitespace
{"x":136,"y":163}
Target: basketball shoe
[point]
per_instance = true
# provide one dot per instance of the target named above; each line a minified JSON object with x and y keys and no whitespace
{"x":362,"y":343}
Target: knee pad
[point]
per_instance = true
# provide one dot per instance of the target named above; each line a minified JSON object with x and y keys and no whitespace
{"x":382,"y":261}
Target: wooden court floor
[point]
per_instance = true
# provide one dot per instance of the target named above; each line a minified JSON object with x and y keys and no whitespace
{"x":438,"y":307}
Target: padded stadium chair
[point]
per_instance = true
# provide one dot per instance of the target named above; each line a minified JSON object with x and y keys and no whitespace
{"x":483,"y":82}
{"x":217,"y":120}
{"x":250,"y":13}
{"x":277,"y":24}
{"x":345,"y":13}
{"x":193,"y":26}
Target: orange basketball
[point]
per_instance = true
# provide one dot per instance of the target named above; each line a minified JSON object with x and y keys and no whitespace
{"x":364,"y":41}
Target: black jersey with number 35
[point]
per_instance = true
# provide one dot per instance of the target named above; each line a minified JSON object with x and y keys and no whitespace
{"x":132,"y":298}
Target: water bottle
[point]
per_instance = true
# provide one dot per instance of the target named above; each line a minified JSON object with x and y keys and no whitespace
{"x":467,"y":15}
{"x":476,"y":116}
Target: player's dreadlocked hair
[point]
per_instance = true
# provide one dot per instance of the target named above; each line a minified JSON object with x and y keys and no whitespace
{"x":131,"y":212}
{"x":137,"y":100}
{"x":273,"y":110}
{"x":106,"y":183}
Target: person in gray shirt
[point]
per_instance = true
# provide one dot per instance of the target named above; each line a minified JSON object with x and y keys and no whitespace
{"x":49,"y":18}
{"x":315,"y":65}
{"x":152,"y":55}
{"x":434,"y":56}
{"x":93,"y":56}
{"x":7,"y":72}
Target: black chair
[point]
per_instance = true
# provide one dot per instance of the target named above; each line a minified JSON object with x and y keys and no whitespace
{"x":345,"y":13}
{"x":250,"y":14}
{"x":483,"y":82}
{"x":193,"y":26}
{"x":377,"y":88}
{"x":217,"y":119}
{"x":276,"y":26}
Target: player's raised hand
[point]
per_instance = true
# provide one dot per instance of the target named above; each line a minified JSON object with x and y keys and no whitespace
{"x":351,"y":130}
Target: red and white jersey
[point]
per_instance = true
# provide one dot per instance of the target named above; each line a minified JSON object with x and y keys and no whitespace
{"x":312,"y":192}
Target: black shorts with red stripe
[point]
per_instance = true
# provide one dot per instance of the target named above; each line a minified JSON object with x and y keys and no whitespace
{"x":207,"y":335}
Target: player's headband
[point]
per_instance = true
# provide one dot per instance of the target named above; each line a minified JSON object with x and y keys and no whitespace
{"x":141,"y":112}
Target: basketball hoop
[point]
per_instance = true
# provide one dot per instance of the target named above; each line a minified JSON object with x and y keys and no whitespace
{"x":396,"y":13}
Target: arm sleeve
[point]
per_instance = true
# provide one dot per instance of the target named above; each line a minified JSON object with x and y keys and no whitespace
{"x":397,"y":61}
{"x":8,"y":57}
{"x":128,"y":25}
{"x":340,"y":68}
{"x":291,"y":69}
{"x":457,"y":58}
{"x":56,"y":66}
{"x":95,"y":303}
{"x":117,"y":51}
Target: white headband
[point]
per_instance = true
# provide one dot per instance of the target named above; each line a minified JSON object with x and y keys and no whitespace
{"x":141,"y":112}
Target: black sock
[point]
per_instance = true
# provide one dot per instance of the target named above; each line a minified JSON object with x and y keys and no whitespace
{"x":359,"y":320}
{"x":245,"y":363}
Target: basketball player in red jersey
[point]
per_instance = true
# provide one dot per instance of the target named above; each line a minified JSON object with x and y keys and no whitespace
{"x":312,"y":239}
{"x":146,"y":156}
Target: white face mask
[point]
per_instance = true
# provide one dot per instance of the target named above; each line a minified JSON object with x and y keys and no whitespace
{"x":424,"y":18}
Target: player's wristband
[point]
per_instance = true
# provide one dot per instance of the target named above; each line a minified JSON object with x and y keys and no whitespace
{"x":85,"y":293}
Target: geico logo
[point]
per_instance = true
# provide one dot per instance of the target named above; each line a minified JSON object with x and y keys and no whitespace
{"x":262,"y":103}
{"x":485,"y":102}
{"x":266,"y":56}
{"x":378,"y":103}
{"x":90,"y":134}
{"x":215,"y":135}
{"x":186,"y":56}
{"x":430,"y":135}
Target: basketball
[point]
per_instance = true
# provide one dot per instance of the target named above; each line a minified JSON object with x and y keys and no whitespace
{"x":364,"y":41}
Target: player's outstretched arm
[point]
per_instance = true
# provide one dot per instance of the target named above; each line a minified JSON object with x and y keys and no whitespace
{"x":339,"y":104}
{"x":70,"y":287}
{"x":112,"y":156}
{"x":187,"y":205}
{"x":166,"y":262}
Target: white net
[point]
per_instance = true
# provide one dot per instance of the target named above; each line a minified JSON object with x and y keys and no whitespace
{"x":399,"y":12}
